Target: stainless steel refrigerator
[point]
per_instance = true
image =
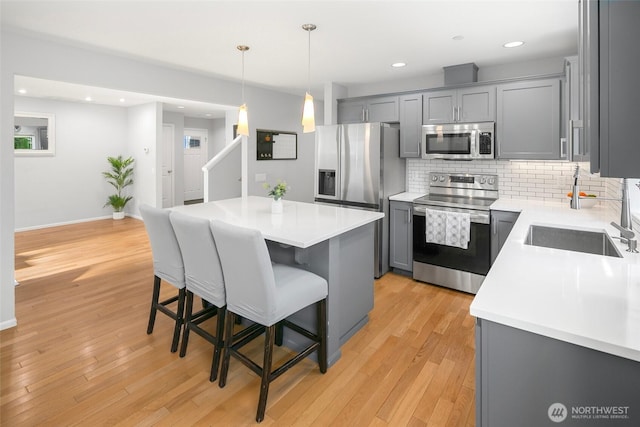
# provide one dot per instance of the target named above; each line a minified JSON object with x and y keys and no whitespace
{"x":359,"y":166}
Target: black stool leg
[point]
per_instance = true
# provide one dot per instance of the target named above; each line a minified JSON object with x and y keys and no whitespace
{"x":154,"y":302}
{"x":321,"y":307}
{"x":228,"y":338}
{"x":266,"y":372}
{"x":179,"y":320}
{"x":279,"y":334}
{"x":217,"y":346}
{"x":187,"y":319}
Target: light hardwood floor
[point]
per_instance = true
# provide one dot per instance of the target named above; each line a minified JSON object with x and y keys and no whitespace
{"x":80,"y":354}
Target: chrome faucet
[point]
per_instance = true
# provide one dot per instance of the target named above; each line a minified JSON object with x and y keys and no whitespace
{"x":626,"y":226}
{"x":575,"y":196}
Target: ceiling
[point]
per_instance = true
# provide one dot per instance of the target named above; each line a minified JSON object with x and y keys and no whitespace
{"x":355,"y":41}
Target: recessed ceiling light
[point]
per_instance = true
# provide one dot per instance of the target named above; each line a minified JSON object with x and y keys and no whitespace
{"x":88,"y":99}
{"x":122,"y":99}
{"x":399,"y":64}
{"x":513,"y":44}
{"x":208,"y":114}
{"x":180,"y":107}
{"x":22,"y":91}
{"x":457,"y":38}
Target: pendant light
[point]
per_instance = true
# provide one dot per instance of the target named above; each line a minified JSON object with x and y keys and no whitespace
{"x":243,"y":121}
{"x":308,"y":115}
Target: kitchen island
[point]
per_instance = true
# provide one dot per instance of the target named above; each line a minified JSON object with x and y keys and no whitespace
{"x":558,"y":331}
{"x":335,"y":243}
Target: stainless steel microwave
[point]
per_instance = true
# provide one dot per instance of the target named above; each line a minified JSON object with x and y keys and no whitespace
{"x":459,"y":141}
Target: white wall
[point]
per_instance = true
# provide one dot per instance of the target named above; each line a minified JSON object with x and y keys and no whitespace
{"x":69,"y":186}
{"x":144,"y":133}
{"x":268,"y":109}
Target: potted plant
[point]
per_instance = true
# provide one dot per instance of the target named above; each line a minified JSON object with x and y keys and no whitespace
{"x":277,"y":192}
{"x":120,"y":176}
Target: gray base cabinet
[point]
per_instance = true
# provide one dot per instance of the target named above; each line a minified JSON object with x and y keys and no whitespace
{"x":501,"y":224}
{"x":528,"y":122}
{"x":410,"y":125}
{"x":401,"y":235}
{"x":525,"y":379}
{"x":382,"y":109}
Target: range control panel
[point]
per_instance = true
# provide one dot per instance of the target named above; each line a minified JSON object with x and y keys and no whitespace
{"x":469,"y":181}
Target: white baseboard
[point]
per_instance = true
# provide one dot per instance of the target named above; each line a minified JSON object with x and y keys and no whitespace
{"x":78,"y":221}
{"x":8,"y":324}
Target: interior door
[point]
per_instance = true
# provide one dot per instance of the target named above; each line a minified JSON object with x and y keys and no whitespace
{"x":167,"y":165}
{"x":195,"y":156}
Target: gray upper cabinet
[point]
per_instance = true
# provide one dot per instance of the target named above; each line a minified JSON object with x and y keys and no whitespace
{"x":528,"y":122}
{"x":473,"y":104}
{"x":410,"y":124}
{"x":611,"y":57}
{"x":368,"y":110}
{"x":573,"y":109}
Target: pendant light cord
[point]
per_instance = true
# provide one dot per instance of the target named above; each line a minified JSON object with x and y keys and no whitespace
{"x":309,"y":64}
{"x":243,"y":76}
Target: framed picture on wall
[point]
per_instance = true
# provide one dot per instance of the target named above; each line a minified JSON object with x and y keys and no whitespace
{"x":276,"y":145}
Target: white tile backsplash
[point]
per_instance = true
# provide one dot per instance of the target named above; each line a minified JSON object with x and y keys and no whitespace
{"x":534,"y":180}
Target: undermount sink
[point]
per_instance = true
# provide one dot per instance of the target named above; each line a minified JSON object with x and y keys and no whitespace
{"x":570,"y":239}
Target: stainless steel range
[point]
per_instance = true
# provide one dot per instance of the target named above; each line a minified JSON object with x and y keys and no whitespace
{"x":452,"y":266}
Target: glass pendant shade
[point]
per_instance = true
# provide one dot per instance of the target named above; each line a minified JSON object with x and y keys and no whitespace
{"x":308,"y":116}
{"x":243,"y":121}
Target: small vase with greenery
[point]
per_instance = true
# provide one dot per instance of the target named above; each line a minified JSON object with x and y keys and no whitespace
{"x":277,"y":192}
{"x":120,"y":176}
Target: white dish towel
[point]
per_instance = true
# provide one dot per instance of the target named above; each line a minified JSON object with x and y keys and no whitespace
{"x":448,"y":228}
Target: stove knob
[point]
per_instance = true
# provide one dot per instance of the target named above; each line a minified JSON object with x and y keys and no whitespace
{"x":492,"y":181}
{"x":434,"y":178}
{"x":441,"y":178}
{"x":483,"y":180}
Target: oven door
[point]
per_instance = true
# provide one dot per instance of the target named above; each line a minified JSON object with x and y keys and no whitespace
{"x":475,"y":259}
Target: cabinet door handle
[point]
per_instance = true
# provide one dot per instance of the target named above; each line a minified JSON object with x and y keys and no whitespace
{"x":409,"y":216}
{"x":453,"y":113}
{"x":458,"y":113}
{"x":495,"y":228}
{"x":363,"y":115}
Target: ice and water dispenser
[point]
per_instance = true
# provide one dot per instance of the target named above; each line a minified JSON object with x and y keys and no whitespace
{"x":327,"y":182}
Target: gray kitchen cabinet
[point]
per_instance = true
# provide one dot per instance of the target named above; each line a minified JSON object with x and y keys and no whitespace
{"x":401,"y":235}
{"x":465,"y":105}
{"x":611,"y":60}
{"x":368,"y":110}
{"x":530,"y":380}
{"x":579,"y":150}
{"x":528,"y":121}
{"x":501,"y":224}
{"x":410,"y":124}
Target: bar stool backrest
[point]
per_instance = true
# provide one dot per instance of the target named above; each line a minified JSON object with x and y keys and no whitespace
{"x":203,"y":271}
{"x":248,"y":274}
{"x":167,"y":258}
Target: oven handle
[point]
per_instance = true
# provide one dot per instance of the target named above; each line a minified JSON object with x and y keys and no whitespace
{"x":477,"y":217}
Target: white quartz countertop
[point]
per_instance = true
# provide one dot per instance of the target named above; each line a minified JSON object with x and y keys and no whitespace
{"x":405,"y":197}
{"x":588,"y":300}
{"x":300,"y":224}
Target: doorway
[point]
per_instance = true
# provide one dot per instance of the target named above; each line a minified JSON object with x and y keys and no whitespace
{"x":168,"y":181}
{"x":195,"y":157}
